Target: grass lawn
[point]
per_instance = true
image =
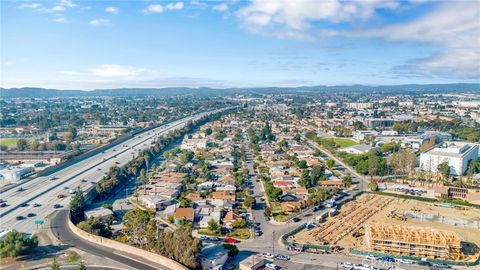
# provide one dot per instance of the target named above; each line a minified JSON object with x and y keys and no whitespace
{"x":9,"y":142}
{"x":281,"y":217}
{"x":208,"y":232}
{"x":240,"y":233}
{"x":344,"y":142}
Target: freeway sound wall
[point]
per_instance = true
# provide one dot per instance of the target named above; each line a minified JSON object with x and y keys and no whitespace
{"x":155,"y":259}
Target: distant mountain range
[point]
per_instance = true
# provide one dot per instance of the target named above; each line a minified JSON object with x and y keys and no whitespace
{"x":31,"y":92}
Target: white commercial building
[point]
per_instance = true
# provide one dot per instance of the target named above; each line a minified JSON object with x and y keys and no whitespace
{"x":458,"y":155}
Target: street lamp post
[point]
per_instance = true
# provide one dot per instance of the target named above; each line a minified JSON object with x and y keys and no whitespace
{"x":273,"y":243}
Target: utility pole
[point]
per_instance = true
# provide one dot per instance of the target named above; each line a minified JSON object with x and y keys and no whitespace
{"x":273,"y":243}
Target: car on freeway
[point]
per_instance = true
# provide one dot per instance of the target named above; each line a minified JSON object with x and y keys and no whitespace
{"x":66,"y":188}
{"x":272,"y":266}
{"x":20,"y":189}
{"x":347,"y":265}
{"x":441,"y":265}
{"x":388,"y":259}
{"x":3,"y":204}
{"x":36,"y":205}
{"x":60,"y":196}
{"x":53,"y":177}
{"x":282,"y":257}
{"x":268,"y":255}
{"x":424,"y":263}
{"x":56,"y":206}
{"x":84,"y":180}
{"x":31,"y":214}
{"x":405,"y":261}
{"x":99,"y":169}
{"x":19,"y":217}
{"x":23,"y":204}
{"x":71,"y":191}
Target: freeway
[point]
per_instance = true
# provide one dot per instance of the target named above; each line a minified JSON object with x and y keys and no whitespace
{"x":37,"y":197}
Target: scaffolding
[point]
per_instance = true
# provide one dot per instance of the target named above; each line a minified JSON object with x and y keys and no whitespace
{"x":413,"y":241}
{"x":350,"y":220}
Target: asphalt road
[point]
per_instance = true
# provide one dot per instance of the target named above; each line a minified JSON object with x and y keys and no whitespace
{"x":67,"y":237}
{"x":83,"y":174}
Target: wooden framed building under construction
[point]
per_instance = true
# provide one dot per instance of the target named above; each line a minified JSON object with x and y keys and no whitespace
{"x":413,"y":241}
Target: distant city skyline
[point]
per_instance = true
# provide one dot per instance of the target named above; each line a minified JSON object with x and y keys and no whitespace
{"x":68,"y":44}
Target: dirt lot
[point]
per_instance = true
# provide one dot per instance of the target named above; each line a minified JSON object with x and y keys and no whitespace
{"x":339,"y":230}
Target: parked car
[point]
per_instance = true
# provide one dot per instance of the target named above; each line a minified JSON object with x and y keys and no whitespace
{"x":296,"y":219}
{"x":268,"y":255}
{"x":272,"y":266}
{"x":283,"y":257}
{"x":230,"y":240}
{"x":347,"y":265}
{"x":372,"y":257}
{"x":203,"y":237}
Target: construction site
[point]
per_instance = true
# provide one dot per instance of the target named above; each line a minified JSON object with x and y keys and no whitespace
{"x":395,"y":226}
{"x":418,"y":242}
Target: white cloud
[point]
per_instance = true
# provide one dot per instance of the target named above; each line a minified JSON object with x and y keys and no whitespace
{"x":220,"y":7}
{"x":67,"y":3}
{"x":109,"y":70}
{"x":30,"y":5}
{"x":175,"y":6}
{"x":454,"y":27}
{"x":298,"y":14}
{"x":100,"y":22}
{"x":58,"y":9}
{"x":294,"y":18}
{"x":59,"y":19}
{"x":155,"y":8}
{"x":112,"y":10}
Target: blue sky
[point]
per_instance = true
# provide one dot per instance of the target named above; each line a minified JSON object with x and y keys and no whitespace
{"x":106,"y":44}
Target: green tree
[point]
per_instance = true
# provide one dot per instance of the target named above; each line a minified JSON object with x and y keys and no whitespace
{"x":302,"y":164}
{"x":330,"y":163}
{"x":81,"y":266}
{"x":232,"y":250}
{"x":403,"y":161}
{"x":22,"y":145}
{"x":96,"y":226}
{"x":373,"y":186}
{"x":213,"y":226}
{"x":138,"y":225}
{"x":444,"y":169}
{"x":348,"y":180}
{"x":77,"y":206}
{"x":239,"y":223}
{"x":15,"y":244}
{"x":472,"y":168}
{"x":184,"y":203}
{"x":249,"y":202}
